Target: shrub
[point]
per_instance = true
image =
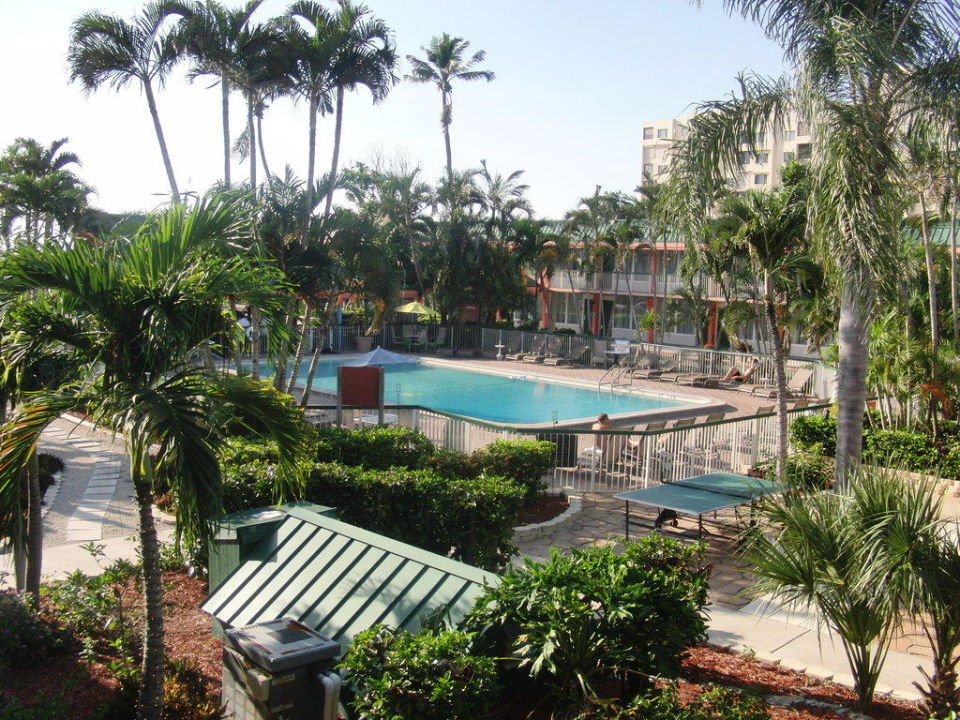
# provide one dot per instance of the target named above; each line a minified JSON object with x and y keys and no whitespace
{"x":950,"y":465}
{"x":185,"y":693}
{"x":473,"y":516}
{"x":525,"y":461}
{"x":811,"y":430}
{"x":376,"y":448}
{"x":452,"y":464}
{"x":44,"y":707}
{"x":594,"y":614}
{"x":243,"y":450}
{"x":25,"y":638}
{"x":248,"y":485}
{"x":901,"y":448}
{"x":715,"y":703}
{"x":807,"y":470}
{"x":427,"y":675}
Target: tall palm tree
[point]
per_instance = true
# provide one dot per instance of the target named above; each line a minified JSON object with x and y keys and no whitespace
{"x":363,"y":54}
{"x":106,"y":49}
{"x":138,"y":311}
{"x":444,"y":62}
{"x":861,"y":69}
{"x":772,"y":225}
{"x":504,"y":198}
{"x":214,"y":37}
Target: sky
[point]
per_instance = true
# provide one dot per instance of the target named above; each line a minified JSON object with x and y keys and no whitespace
{"x":574,"y":83}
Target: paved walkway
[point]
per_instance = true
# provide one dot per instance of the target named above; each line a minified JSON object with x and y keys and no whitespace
{"x":92,"y":502}
{"x":737,"y":620}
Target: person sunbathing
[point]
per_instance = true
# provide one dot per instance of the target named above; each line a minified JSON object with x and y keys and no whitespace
{"x":734,"y":374}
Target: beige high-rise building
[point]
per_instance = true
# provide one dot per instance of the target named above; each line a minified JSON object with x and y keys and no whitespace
{"x":760,"y":163}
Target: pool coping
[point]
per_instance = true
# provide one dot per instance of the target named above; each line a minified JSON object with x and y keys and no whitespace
{"x":694,"y":405}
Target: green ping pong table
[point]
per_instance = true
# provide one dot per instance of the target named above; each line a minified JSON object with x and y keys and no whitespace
{"x":699,"y":495}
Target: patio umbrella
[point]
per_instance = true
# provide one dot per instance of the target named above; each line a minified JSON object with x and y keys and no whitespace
{"x":379,"y":357}
{"x":415,"y":308}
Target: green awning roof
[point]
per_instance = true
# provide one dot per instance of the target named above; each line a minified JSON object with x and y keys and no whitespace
{"x":340,"y":580}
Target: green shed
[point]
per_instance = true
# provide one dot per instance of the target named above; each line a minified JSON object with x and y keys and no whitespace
{"x":339,"y":579}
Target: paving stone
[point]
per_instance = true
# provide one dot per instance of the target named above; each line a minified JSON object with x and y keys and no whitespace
{"x":793,"y":664}
{"x":820,"y":672}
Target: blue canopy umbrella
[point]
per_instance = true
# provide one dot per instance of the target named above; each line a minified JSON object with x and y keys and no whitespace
{"x":379,"y":357}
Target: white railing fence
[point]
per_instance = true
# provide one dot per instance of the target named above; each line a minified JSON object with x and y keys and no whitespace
{"x":614,"y":460}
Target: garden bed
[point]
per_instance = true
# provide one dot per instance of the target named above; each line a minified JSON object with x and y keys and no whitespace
{"x":188,"y":636}
{"x":545,"y":507}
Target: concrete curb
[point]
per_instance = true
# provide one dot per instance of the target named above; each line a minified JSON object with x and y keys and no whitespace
{"x":538,"y":529}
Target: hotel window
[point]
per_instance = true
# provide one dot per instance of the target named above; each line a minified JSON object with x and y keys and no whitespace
{"x":789,"y":157}
{"x":760,"y":179}
{"x":761,"y":138}
{"x":648,"y":168}
{"x":803,"y":128}
{"x":661,"y":169}
{"x":789,"y":134}
{"x":803,"y":151}
{"x":648,"y":133}
{"x":663,"y":133}
{"x":744,"y":157}
{"x":762,"y":158}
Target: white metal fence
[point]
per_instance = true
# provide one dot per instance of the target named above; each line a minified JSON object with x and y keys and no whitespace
{"x":614,"y":460}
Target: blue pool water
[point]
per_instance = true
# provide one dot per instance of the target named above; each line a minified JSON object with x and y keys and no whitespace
{"x":497,"y":398}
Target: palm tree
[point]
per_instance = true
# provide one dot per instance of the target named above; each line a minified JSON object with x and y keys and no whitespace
{"x":504,"y":198}
{"x":862,"y":68}
{"x":363,"y":54}
{"x":106,"y":49}
{"x":214,"y":36}
{"x":445,"y":62}
{"x":773,"y":227}
{"x":138,"y":310}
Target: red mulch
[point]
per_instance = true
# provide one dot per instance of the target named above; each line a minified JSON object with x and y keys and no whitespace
{"x":543,"y":509}
{"x":188,"y":636}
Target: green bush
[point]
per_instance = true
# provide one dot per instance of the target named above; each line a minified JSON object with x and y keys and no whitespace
{"x":375,"y":448}
{"x":473,"y":516}
{"x":452,"y":464}
{"x":715,"y":703}
{"x":25,"y":639}
{"x":950,"y":464}
{"x":243,"y":450}
{"x":427,"y":675}
{"x":248,"y":485}
{"x":185,"y":693}
{"x":901,"y":448}
{"x":596,"y":614}
{"x":809,"y":431}
{"x":525,"y":461}
{"x":807,"y":470}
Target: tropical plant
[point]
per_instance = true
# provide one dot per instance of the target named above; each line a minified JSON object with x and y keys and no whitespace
{"x":106,"y":49}
{"x":137,"y":311}
{"x":443,"y":63}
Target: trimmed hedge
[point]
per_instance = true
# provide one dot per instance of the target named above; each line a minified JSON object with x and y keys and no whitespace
{"x":815,"y":432}
{"x":525,"y":461}
{"x":900,"y":448}
{"x":375,"y":448}
{"x":471,"y":519}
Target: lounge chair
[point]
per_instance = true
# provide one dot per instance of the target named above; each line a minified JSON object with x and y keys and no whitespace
{"x":801,"y":403}
{"x":598,"y":355}
{"x":715,"y":417}
{"x":439,"y":341}
{"x":696,"y":380}
{"x":578,"y":357}
{"x":794,"y":385}
{"x":655,"y":373}
{"x":537,"y":353}
{"x":765,"y":410}
{"x":659,"y":425}
{"x":515,"y":355}
{"x":684,"y":422}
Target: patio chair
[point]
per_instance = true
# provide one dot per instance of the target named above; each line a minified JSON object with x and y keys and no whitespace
{"x":419,"y":340}
{"x":765,"y":410}
{"x":794,"y":385}
{"x":655,"y":373}
{"x":537,"y":353}
{"x":696,"y":380}
{"x":554,"y":354}
{"x":715,"y":417}
{"x":439,"y":341}
{"x":577,"y":357}
{"x":801,"y":403}
{"x":684,"y":422}
{"x":598,"y":355}
{"x":515,"y":355}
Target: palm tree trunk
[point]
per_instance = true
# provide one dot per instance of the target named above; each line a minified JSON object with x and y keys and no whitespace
{"x":301,"y":346}
{"x":254,"y":343}
{"x":150,"y":701}
{"x":336,"y":152}
{"x":311,"y":166}
{"x":325,"y":318}
{"x":445,"y":121}
{"x":225,"y":117}
{"x":931,"y":277}
{"x":953,"y":268}
{"x":152,"y":104}
{"x":251,"y":145}
{"x":34,"y":529}
{"x":780,"y":378}
{"x":263,"y":152}
{"x":851,"y":380}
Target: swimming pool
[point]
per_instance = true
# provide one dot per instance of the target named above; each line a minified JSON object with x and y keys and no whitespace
{"x":509,"y":399}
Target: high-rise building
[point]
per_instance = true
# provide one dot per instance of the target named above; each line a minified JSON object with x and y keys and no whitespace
{"x":760,"y":160}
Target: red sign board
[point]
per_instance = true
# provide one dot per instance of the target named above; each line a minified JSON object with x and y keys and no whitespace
{"x":361,"y":386}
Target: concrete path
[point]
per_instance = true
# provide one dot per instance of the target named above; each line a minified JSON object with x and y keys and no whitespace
{"x":92,"y":502}
{"x":737,"y":621}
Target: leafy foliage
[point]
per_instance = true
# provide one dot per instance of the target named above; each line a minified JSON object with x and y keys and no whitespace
{"x":47,"y":707}
{"x":525,"y":461}
{"x":25,"y":637}
{"x":594,"y":614}
{"x":429,"y":675}
{"x":900,"y":448}
{"x":185,"y":693}
{"x":375,"y":448}
{"x":810,"y":431}
{"x":715,"y":703}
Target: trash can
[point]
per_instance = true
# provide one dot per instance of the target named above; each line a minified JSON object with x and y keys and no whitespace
{"x":279,"y":670}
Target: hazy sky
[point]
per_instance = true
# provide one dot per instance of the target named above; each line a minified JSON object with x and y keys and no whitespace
{"x":575,"y":81}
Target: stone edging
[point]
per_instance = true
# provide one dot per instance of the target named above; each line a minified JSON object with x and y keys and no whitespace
{"x":537,"y":529}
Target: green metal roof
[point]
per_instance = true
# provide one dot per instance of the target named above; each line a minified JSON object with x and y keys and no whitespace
{"x":340,"y":580}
